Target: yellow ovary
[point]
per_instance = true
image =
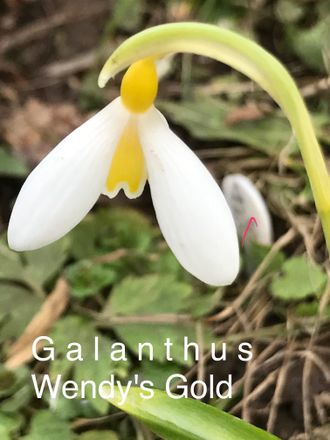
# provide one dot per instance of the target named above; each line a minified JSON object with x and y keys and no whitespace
{"x":139,"y":86}
{"x":128,"y":168}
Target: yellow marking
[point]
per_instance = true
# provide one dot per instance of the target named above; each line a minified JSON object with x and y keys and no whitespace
{"x":139,"y":86}
{"x":128,"y":168}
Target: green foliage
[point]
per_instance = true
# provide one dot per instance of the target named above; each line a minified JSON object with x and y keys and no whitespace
{"x":205,"y":119}
{"x":88,"y":278}
{"x":9,"y":425}
{"x":308,"y":43}
{"x":84,"y":238}
{"x":43,"y":264}
{"x":17,"y":307}
{"x":164,"y":262}
{"x":127,"y":15}
{"x":212,"y":10}
{"x":33,"y":269}
{"x":10,"y":166}
{"x":99,"y":435}
{"x":311,"y":308}
{"x":129,"y":296}
{"x":91,"y":96}
{"x":254,"y":255}
{"x":299,"y":279}
{"x":124,"y":228}
{"x":77,"y":329}
{"x":110,"y":230}
{"x":151,"y":295}
{"x":288,"y":11}
{"x":14,"y":389}
{"x":135,"y":293}
{"x":45,"y":424}
{"x":305,"y":28}
{"x":158,"y":372}
{"x":187,"y":419}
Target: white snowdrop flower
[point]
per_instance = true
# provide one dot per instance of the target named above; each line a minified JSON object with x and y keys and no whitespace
{"x":121,"y":147}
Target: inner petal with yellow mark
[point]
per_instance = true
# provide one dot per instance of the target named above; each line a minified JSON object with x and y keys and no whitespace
{"x":128,"y":168}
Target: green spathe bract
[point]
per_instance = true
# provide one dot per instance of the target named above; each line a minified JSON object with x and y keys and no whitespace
{"x":186,"y":419}
{"x":252,"y":60}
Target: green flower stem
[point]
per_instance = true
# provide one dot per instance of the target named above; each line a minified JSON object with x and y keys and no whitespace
{"x":252,"y":60}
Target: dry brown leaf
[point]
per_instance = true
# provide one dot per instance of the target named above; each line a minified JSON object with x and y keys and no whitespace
{"x":52,"y":308}
{"x":248,"y":112}
{"x":179,"y":11}
{"x":33,"y":130}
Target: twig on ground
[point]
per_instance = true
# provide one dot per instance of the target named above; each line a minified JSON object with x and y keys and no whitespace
{"x":279,"y":388}
{"x":111,"y":256}
{"x":162,"y":318}
{"x":201,"y":348}
{"x":52,"y":308}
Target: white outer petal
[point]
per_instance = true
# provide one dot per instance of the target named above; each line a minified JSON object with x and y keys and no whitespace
{"x":192,"y":212}
{"x":66,"y":184}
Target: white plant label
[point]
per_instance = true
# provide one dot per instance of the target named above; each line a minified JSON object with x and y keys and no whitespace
{"x":246,"y":204}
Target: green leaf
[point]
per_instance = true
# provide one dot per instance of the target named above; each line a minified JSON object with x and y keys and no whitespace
{"x":83,"y":238}
{"x":16,"y":390}
{"x":99,"y":435}
{"x":288,"y":12}
{"x":187,"y":419}
{"x":158,"y":373}
{"x":68,"y":409}
{"x":19,"y":400}
{"x":202,"y":304}
{"x":77,"y":329}
{"x":32,"y":268}
{"x":254,"y":255}
{"x":152,"y":295}
{"x":11,"y":296}
{"x":307,"y":43}
{"x":9,"y":425}
{"x":7,"y":381}
{"x":124,"y":228}
{"x":87,"y":278}
{"x":111,"y":229}
{"x":149,"y":294}
{"x":156,"y":334}
{"x":44,"y":263}
{"x":312,"y":308}
{"x":17,"y":307}
{"x":11,"y":266}
{"x":300,"y":278}
{"x":214,"y":11}
{"x":11,"y":166}
{"x":205,"y":119}
{"x":127,"y":15}
{"x":165,"y":263}
{"x":46,"y":424}
{"x":97,"y":371}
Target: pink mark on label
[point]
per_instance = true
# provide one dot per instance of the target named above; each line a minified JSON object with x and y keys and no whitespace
{"x":252,"y":220}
